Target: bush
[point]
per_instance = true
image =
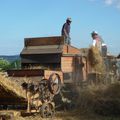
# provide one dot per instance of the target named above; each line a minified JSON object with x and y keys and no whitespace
{"x":15,"y":64}
{"x":4,"y":65}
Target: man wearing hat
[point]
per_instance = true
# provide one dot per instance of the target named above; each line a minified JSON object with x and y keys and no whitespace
{"x":66,"y":31}
{"x":99,"y":43}
{"x":96,"y":40}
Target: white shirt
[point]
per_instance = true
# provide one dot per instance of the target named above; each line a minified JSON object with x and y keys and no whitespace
{"x":94,"y":43}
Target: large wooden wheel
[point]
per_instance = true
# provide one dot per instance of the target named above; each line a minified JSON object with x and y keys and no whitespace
{"x":54,"y":83}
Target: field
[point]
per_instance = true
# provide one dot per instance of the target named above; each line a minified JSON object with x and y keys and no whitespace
{"x":66,"y":116}
{"x":101,"y":102}
{"x":93,"y":103}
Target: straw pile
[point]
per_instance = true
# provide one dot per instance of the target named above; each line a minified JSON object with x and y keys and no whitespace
{"x":11,"y":86}
{"x":102,"y":99}
{"x":96,"y":60}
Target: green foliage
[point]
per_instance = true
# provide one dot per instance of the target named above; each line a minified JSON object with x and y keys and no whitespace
{"x":15,"y":64}
{"x":4,"y":65}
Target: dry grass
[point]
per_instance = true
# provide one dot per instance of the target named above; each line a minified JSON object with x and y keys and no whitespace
{"x":70,"y":116}
{"x":103,"y":100}
{"x":95,"y":60}
{"x":11,"y":86}
{"x":63,"y":116}
{"x":89,"y":99}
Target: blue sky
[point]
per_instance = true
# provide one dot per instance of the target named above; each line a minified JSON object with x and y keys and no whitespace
{"x":37,"y":18}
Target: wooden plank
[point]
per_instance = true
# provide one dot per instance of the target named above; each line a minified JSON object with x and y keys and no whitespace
{"x":55,"y":40}
{"x":25,"y":72}
{"x":46,"y":49}
{"x":44,"y":58}
{"x":12,"y":101}
{"x":85,"y":71}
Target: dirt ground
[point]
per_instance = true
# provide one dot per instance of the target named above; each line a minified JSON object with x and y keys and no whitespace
{"x":62,"y":116}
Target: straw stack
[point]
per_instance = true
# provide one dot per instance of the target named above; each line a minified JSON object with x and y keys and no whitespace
{"x":96,"y":60}
{"x":11,"y":86}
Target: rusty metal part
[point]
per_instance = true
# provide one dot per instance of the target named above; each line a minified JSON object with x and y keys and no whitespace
{"x":47,"y":110}
{"x":47,"y":89}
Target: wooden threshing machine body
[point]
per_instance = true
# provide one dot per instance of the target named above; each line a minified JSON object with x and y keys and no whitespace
{"x":51,"y":54}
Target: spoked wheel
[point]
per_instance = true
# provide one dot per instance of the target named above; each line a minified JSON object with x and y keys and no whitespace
{"x":47,"y":110}
{"x":54,"y":83}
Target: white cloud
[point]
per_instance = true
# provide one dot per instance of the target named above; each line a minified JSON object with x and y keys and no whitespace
{"x":115,"y":3}
{"x":109,"y":2}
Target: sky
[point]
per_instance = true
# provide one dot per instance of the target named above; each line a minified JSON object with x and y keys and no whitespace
{"x":20,"y":19}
